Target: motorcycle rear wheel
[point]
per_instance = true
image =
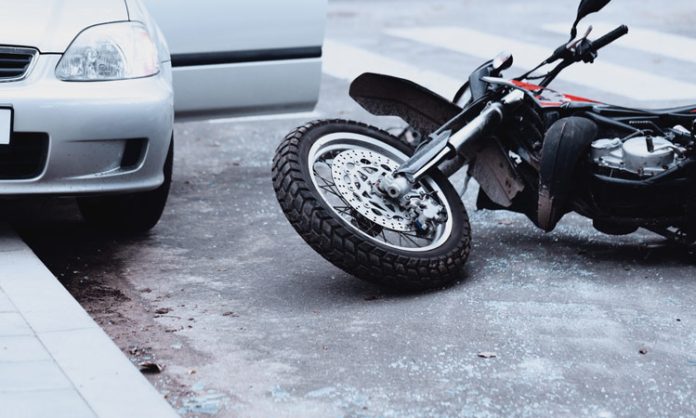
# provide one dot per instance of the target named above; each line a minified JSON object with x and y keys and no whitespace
{"x":365,"y":247}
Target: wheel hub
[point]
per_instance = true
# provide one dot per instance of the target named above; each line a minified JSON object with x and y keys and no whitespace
{"x":357,"y":174}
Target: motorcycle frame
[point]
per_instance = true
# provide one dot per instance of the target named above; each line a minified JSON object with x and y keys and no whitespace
{"x":459,"y":136}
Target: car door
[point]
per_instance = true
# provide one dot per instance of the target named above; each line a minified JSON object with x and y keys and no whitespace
{"x":242,"y":57}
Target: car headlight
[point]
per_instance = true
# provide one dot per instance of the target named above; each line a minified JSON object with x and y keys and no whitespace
{"x":113,"y":51}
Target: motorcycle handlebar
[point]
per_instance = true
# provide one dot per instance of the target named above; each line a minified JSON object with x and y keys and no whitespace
{"x":570,"y":56}
{"x":610,"y":37}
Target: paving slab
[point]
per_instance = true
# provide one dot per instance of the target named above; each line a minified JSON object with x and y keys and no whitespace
{"x":54,"y":359}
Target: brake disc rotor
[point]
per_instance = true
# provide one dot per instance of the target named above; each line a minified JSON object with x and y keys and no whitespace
{"x":357,"y":173}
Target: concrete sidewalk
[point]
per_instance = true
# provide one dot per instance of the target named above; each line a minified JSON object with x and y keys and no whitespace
{"x":55,"y":361}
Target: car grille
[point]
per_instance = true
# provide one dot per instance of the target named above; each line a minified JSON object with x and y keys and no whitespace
{"x":15,"y":62}
{"x":25,"y":157}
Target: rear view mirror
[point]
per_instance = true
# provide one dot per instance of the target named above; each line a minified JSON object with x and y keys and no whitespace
{"x":587,"y":7}
{"x":502,"y":61}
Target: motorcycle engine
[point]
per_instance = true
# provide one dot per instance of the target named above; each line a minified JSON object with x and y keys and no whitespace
{"x":641,"y":156}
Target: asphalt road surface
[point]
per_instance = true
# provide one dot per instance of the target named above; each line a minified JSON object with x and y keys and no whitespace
{"x":248,"y":321}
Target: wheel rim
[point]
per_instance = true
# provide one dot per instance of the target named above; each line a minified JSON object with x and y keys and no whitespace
{"x":335,"y":156}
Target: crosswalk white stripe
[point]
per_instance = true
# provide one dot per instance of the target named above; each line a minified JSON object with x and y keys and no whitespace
{"x":641,"y":39}
{"x":611,"y":78}
{"x":347,"y":62}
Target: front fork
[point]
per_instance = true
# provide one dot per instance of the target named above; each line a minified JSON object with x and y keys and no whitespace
{"x":446,"y":145}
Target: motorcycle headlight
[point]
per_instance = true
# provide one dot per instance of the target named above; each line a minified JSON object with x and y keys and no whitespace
{"x":113,"y":51}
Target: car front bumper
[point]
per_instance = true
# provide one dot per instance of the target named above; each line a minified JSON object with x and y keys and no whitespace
{"x":85,"y":137}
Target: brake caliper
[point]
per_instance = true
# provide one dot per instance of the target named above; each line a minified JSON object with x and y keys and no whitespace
{"x":425,"y":212}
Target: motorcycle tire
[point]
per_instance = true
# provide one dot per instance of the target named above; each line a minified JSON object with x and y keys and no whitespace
{"x":347,"y":243}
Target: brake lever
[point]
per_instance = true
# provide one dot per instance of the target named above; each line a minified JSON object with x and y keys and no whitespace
{"x":585,"y":51}
{"x":574,"y":44}
{"x":567,"y":51}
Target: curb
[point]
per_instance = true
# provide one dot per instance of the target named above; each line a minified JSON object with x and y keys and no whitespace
{"x":54,"y":359}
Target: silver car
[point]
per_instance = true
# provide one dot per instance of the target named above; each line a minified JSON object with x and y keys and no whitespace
{"x":87,"y":92}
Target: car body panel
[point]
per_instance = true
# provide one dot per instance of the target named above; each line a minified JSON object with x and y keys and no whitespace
{"x":55,"y":23}
{"x":237,"y":89}
{"x":138,"y":12}
{"x":243,"y":57}
{"x":223,"y":25}
{"x":87,"y":124}
{"x":84,"y":129}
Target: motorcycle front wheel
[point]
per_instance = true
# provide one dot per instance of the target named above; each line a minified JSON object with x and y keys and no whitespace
{"x":325,"y":175}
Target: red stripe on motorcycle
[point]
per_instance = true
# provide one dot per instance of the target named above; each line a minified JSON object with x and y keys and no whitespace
{"x":547,"y":96}
{"x":579,"y":99}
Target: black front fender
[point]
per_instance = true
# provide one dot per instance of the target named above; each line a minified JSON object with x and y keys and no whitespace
{"x":383,"y":95}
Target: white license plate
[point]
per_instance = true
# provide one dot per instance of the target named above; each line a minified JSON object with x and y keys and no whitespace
{"x":5,"y":126}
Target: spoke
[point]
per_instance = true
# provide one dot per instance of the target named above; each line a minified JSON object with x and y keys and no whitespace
{"x":328,"y":186}
{"x":344,"y":210}
{"x":409,"y":239}
{"x":326,"y":182}
{"x":331,"y":190}
{"x":406,"y":234}
{"x":325,"y":162}
{"x":372,"y":226}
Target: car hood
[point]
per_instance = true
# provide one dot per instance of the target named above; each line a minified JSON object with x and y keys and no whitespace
{"x":51,"y":25}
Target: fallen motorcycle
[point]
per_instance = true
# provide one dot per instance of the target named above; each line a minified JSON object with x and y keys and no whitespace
{"x":385,"y":210}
